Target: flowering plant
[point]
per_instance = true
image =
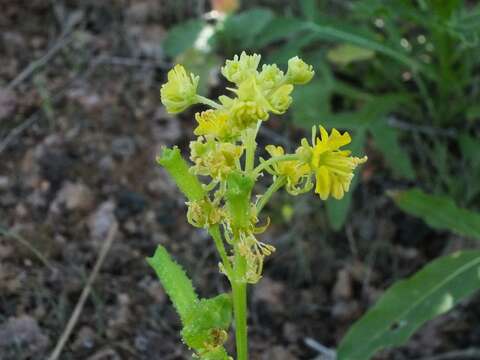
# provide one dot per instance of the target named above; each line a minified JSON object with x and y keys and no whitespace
{"x":224,"y":157}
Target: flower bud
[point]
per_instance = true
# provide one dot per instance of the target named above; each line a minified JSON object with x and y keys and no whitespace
{"x":299,"y":72}
{"x":180,"y":91}
{"x":239,"y":69}
{"x":280,"y":100}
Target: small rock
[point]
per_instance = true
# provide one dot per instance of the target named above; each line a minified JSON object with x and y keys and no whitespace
{"x":290,"y":332}
{"x":343,"y":286}
{"x":21,"y":211}
{"x":121,"y":317}
{"x":271,"y":292}
{"x":73,"y":196}
{"x":105,"y":354}
{"x":5,"y":250}
{"x":167,"y":129}
{"x":85,"y":339}
{"x":7,"y":103}
{"x":106,"y":164}
{"x":102,"y":220}
{"x":4,"y":182}
{"x":123,"y":147}
{"x":23,"y":332}
{"x":346,"y":310}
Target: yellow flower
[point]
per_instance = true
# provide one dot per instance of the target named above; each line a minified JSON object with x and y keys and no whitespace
{"x":241,"y":68}
{"x":180,"y":91}
{"x":299,"y":72}
{"x":296,"y":172}
{"x":244,"y":111}
{"x":270,"y":77}
{"x":213,"y":123}
{"x":280,"y":99}
{"x":333,"y":167}
{"x":214,"y":159}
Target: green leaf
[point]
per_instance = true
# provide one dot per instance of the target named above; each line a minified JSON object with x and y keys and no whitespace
{"x":178,"y":169}
{"x":207,"y":314}
{"x":386,"y":139}
{"x":175,"y":281}
{"x":408,"y":304}
{"x":310,"y":10}
{"x":246,"y":26}
{"x":182,"y":37}
{"x":328,"y":32}
{"x":344,"y":54}
{"x":278,"y":29}
{"x":439,"y":212}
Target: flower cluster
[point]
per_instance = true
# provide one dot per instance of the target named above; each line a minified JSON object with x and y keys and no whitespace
{"x":224,"y":155}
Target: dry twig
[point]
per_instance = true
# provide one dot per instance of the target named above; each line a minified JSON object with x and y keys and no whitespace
{"x":64,"y":39}
{"x":85,"y":293}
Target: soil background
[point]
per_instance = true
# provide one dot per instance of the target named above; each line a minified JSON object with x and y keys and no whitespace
{"x":80,"y":126}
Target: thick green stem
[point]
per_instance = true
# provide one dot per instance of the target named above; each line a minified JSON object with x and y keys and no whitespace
{"x":239,"y":290}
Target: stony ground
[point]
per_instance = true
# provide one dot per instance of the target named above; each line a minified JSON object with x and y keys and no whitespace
{"x":79,"y":131}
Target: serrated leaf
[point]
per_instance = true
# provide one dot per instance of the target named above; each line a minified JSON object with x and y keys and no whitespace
{"x":345,"y":54}
{"x":408,"y":304}
{"x":175,"y":281}
{"x":182,"y":37}
{"x":439,"y":212}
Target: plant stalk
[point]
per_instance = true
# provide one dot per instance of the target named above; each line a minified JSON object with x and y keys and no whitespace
{"x":239,"y":290}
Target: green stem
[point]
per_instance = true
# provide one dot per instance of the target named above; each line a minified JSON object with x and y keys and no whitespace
{"x":239,"y":290}
{"x":204,"y":100}
{"x":250,"y":147}
{"x":277,"y":184}
{"x":272,"y":161}
{"x":217,"y":238}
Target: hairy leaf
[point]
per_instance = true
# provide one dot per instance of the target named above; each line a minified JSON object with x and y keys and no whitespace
{"x":409,"y":303}
{"x":175,"y":281}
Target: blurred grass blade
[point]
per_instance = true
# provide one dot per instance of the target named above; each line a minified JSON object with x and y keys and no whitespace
{"x":409,"y":303}
{"x":439,"y":212}
{"x":386,"y":140}
{"x":278,"y":29}
{"x":334,"y":33}
{"x":344,"y":54}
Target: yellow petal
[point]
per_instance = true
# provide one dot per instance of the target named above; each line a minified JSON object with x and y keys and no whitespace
{"x":323,"y":182}
{"x":337,"y":189}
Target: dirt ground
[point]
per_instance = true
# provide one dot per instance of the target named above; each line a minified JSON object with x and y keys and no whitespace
{"x":80,"y":125}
